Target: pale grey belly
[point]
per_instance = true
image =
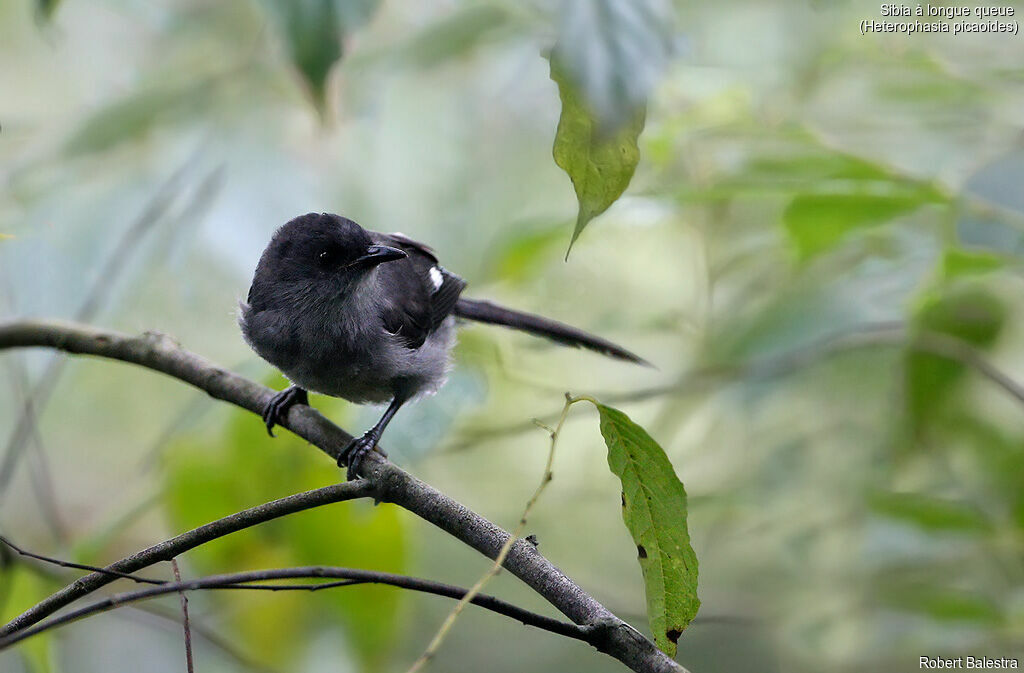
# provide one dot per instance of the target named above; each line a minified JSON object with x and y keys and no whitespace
{"x":375,"y":375}
{"x":340,"y":379}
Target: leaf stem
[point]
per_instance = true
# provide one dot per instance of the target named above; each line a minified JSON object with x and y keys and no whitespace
{"x":449,"y":621}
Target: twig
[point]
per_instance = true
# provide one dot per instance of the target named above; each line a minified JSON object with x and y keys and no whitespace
{"x":885,"y":334}
{"x":189,"y":663}
{"x":51,"y":574}
{"x":173,"y":618}
{"x":103,"y":284}
{"x":449,"y":621}
{"x":178,"y":545}
{"x":42,"y":475}
{"x":77,"y":566}
{"x":382,"y":479}
{"x":234,"y":580}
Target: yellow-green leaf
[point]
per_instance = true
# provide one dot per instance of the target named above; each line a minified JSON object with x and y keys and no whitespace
{"x":20,"y":589}
{"x":599,"y":163}
{"x":818,"y":222}
{"x":654,"y":509}
{"x":203,"y":484}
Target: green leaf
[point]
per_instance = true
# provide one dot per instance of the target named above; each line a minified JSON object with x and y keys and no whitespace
{"x":958,"y":262}
{"x":523,"y":250}
{"x":45,"y":9}
{"x":313,"y":32}
{"x":967,"y":312}
{"x":654,"y":509}
{"x":20,"y":589}
{"x":600,"y":164}
{"x":135,"y":116}
{"x":929,"y":512}
{"x":817,"y":222}
{"x":944,"y":604}
{"x":607,"y":59}
{"x":614,"y":52}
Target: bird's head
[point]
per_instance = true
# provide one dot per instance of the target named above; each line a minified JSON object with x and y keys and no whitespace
{"x":316,"y":256}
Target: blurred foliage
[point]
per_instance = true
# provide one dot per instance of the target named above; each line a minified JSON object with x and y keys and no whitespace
{"x":853,"y":506}
{"x":211,"y":477}
{"x":21,"y":588}
{"x":46,"y":8}
{"x":314,"y":33}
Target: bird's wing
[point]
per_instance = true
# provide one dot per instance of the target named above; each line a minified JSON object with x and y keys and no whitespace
{"x":424,"y":292}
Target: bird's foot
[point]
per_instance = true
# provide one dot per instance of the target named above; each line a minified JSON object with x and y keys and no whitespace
{"x":278,"y":406}
{"x":351,"y":457}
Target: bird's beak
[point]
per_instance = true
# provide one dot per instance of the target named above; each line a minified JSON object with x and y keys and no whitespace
{"x":378,"y":254}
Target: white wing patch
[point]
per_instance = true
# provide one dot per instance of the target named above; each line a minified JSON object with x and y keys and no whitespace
{"x":436,"y":278}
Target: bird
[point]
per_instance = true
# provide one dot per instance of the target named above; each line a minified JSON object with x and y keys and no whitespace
{"x":369,"y":317}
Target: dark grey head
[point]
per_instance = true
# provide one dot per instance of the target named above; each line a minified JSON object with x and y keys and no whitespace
{"x":315,"y":256}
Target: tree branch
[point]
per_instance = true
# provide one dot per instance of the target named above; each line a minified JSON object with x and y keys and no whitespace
{"x":76,"y":566}
{"x":190,"y":666}
{"x":351,"y":575}
{"x":180,"y":544}
{"x":382,"y":479}
{"x":245,"y":581}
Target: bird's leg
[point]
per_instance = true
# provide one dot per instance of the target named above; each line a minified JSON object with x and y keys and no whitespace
{"x":278,"y":406}
{"x":351,"y":457}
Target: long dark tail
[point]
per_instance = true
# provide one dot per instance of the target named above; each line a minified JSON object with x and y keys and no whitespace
{"x":485,"y":311}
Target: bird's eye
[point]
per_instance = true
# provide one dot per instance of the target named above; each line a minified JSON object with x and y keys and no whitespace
{"x":327,"y":259}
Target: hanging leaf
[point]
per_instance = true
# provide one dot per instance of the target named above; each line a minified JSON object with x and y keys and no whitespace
{"x":313,"y":32}
{"x":607,"y":59}
{"x":967,"y":312}
{"x":599,"y":165}
{"x":45,"y":9}
{"x":654,"y":509}
{"x":614,"y":52}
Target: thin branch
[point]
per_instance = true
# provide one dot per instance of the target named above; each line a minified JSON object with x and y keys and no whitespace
{"x":77,"y":566}
{"x":546,"y":477}
{"x":98,"y":294}
{"x":883,"y":334}
{"x":178,"y":545}
{"x":47,"y":571}
{"x":236,"y":580}
{"x":382,"y":479}
{"x":173,"y":618}
{"x":189,"y":663}
{"x":42,"y":475}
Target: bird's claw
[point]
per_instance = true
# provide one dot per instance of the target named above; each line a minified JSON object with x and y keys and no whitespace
{"x":278,"y":406}
{"x":351,"y":457}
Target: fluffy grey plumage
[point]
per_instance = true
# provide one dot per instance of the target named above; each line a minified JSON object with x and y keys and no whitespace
{"x":366,"y":316}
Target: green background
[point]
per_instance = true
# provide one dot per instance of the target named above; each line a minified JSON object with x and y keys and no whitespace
{"x":811,"y":209}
